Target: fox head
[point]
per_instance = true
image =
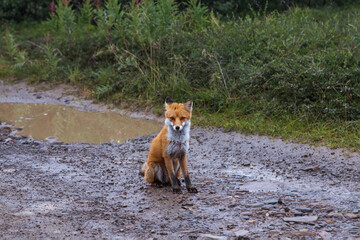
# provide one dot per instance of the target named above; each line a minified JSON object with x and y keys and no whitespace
{"x":178,"y":115}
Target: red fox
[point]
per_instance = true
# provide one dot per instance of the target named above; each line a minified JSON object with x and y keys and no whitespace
{"x":167,"y":155}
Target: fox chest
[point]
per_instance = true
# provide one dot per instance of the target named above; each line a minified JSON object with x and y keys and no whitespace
{"x":177,"y":149}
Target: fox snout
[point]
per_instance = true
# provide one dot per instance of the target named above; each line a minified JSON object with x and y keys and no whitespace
{"x":178,"y":128}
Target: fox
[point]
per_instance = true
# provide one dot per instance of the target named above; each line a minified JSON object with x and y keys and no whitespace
{"x":167,"y":157}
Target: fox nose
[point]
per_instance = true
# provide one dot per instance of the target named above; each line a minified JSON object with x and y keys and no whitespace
{"x":177,"y":127}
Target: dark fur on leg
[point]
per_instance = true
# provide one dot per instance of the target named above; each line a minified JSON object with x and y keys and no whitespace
{"x":189,"y":187}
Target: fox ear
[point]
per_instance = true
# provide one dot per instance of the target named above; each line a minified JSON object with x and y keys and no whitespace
{"x":168,"y":101}
{"x":189,"y":105}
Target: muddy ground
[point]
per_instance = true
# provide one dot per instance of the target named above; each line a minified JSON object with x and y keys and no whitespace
{"x":250,"y":187}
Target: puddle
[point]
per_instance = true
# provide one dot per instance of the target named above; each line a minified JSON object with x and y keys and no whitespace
{"x":66,"y":124}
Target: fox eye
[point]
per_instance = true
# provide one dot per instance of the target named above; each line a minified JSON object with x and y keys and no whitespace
{"x":182,"y":118}
{"x":172,"y":119}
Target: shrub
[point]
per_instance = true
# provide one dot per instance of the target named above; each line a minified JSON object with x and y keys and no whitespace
{"x":303,"y":62}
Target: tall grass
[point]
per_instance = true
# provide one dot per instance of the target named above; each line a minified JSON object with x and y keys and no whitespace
{"x":303,"y":63}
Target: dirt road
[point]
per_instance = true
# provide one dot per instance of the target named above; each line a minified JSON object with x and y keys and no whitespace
{"x":250,"y":187}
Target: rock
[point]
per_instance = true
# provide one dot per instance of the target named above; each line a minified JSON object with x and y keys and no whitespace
{"x":246,"y":164}
{"x":24,"y":213}
{"x":29,"y":141}
{"x":300,"y":234}
{"x":9,"y":140}
{"x":329,"y":221}
{"x":271,"y":201}
{"x":304,"y":209}
{"x":45,"y":148}
{"x":304,"y":219}
{"x":259,"y":204}
{"x":325,"y":235}
{"x":336,"y":215}
{"x":351,"y":216}
{"x":247,"y":213}
{"x":298,"y":213}
{"x":241,"y":234}
{"x":268,"y":207}
{"x":211,"y":237}
{"x":16,"y":137}
{"x":311,"y":168}
{"x":4,"y":131}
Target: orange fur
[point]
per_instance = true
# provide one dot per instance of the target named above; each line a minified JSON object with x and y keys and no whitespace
{"x":167,"y":155}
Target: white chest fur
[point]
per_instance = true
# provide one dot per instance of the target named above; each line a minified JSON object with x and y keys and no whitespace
{"x":179,"y":140}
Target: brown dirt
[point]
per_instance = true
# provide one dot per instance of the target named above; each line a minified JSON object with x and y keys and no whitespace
{"x":247,"y":186}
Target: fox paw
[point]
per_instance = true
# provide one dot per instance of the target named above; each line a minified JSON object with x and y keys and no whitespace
{"x":192,"y":190}
{"x":158,"y":184}
{"x":177,"y":190}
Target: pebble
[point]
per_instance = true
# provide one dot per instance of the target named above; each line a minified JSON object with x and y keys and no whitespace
{"x":271,"y":201}
{"x":336,"y":215}
{"x":305,"y":219}
{"x":16,"y":137}
{"x":241,"y":233}
{"x":325,"y":235}
{"x":211,"y":237}
{"x":304,"y":209}
{"x":268,"y":207}
{"x":246,"y":164}
{"x":259,"y":204}
{"x":247,"y":213}
{"x":298,"y":213}
{"x":351,"y":216}
{"x":329,"y":221}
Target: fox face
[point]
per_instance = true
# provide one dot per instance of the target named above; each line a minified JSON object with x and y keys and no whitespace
{"x":177,"y":115}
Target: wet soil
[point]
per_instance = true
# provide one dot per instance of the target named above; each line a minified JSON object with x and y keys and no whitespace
{"x":250,"y":187}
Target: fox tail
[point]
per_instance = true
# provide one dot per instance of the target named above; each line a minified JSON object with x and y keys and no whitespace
{"x":142,"y":169}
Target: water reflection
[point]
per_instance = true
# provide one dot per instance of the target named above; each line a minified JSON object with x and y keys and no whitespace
{"x":69,"y":125}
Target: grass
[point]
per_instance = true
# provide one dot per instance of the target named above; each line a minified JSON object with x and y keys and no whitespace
{"x":294,"y":75}
{"x":330,"y":134}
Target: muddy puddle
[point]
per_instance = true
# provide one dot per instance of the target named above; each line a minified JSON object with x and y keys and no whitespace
{"x":66,"y":124}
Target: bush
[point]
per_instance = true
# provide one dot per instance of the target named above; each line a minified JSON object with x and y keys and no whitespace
{"x":19,"y":10}
{"x":303,"y":62}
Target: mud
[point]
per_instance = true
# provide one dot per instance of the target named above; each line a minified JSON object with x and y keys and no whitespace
{"x":250,"y":187}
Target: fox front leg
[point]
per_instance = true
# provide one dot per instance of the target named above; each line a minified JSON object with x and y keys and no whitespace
{"x":184,"y":169}
{"x":174,"y":181}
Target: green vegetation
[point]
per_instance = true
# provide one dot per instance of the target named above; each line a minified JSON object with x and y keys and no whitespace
{"x":20,"y":10}
{"x":294,"y":75}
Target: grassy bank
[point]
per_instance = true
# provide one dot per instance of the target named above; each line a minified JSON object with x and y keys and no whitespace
{"x":295,"y":75}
